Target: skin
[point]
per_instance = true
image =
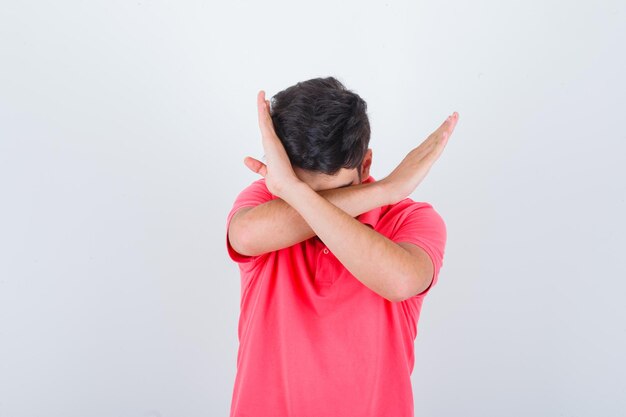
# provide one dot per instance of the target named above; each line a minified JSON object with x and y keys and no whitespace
{"x":275,"y":225}
{"x":395,"y":271}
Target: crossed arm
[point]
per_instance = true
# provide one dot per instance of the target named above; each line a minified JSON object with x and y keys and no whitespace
{"x":275,"y":224}
{"x":395,"y":271}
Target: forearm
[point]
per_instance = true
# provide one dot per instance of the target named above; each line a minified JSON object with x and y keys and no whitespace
{"x":378,"y":262}
{"x":276,"y":225}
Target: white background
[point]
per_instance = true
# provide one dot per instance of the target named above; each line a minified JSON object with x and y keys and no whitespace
{"x":123,"y":128}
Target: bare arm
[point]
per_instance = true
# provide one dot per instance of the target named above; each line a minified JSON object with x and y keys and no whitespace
{"x":276,"y":225}
{"x":381,"y":264}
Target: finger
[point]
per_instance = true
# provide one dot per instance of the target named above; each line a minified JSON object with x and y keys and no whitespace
{"x":442,"y":138}
{"x":447,"y":126}
{"x":265,"y":120}
{"x":435,"y":150}
{"x":255,"y":165}
{"x":261,"y":109}
{"x":263,"y":106}
{"x":452,"y":121}
{"x":434,"y":140}
{"x":431,"y":141}
{"x":440,"y":145}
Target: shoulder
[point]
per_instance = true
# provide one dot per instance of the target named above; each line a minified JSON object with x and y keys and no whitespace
{"x":416,"y":216}
{"x":257,"y":185}
{"x":409,"y":207}
{"x":256,"y":191}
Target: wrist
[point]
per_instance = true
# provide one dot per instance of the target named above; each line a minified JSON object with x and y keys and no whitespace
{"x":385,"y":192}
{"x":294,"y":192}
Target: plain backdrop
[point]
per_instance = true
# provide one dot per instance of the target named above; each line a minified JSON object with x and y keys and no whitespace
{"x":123,"y":128}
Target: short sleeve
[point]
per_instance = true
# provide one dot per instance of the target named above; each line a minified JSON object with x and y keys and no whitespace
{"x":251,"y":196}
{"x":424,"y":227}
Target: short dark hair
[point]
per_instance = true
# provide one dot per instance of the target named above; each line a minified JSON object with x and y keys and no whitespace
{"x":322,"y":125}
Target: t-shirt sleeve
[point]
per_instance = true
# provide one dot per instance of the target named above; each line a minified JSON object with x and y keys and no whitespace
{"x":424,"y":227}
{"x":251,"y":196}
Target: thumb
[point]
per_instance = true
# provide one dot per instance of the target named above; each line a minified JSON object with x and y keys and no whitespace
{"x":255,"y":165}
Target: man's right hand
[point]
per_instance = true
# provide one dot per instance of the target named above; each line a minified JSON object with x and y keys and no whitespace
{"x":411,"y":171}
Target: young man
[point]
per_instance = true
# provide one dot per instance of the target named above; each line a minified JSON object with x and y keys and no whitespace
{"x":334,"y":264}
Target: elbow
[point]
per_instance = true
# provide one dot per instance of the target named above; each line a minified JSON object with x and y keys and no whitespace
{"x":397,"y":296}
{"x":238,"y":240}
{"x":414,"y":286}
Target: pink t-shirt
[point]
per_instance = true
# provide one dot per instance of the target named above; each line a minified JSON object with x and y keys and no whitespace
{"x":313,"y":340}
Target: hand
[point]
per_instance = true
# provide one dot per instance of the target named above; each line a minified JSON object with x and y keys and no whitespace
{"x":411,"y":171}
{"x":278,"y":172}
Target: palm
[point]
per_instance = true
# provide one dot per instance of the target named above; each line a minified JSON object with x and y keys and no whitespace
{"x":277,"y":171}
